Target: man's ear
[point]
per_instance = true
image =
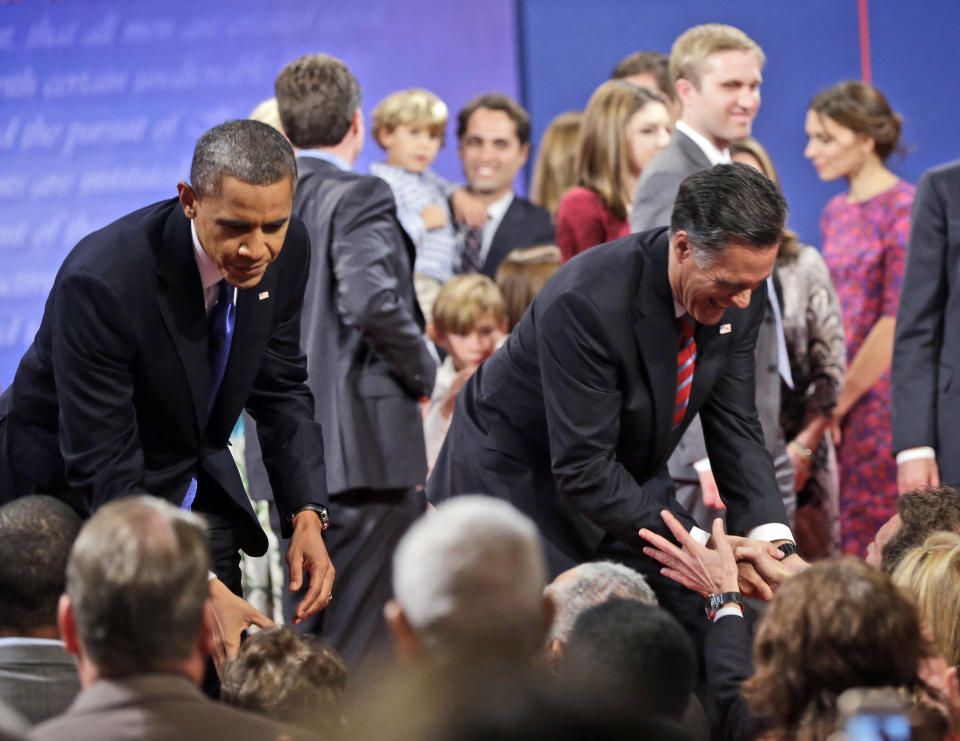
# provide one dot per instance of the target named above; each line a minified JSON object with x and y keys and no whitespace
{"x":681,"y":246}
{"x":525,"y":153}
{"x":67,"y":625}
{"x":188,"y":199}
{"x":684,"y":89}
{"x":405,"y":641}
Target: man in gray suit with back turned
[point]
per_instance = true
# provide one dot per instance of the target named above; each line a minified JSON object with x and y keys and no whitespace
{"x":717,"y":72}
{"x":37,"y":677}
{"x":367,"y":359}
{"x":926,"y":348}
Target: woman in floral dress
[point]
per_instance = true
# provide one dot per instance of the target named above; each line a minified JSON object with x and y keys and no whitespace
{"x":852,"y":131}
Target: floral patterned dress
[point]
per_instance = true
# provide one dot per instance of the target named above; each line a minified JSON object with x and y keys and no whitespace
{"x":864,"y":245}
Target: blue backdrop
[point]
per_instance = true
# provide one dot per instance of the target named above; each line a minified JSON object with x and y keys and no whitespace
{"x":101,"y":102}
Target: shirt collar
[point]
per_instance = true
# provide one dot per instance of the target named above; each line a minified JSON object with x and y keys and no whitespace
{"x":322,"y":154}
{"x":499,"y":207}
{"x":716,"y":156}
{"x":209,"y":272}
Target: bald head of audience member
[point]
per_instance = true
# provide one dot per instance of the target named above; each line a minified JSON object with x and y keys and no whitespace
{"x":136,"y":595}
{"x":468,"y":583}
{"x":578,"y":589}
{"x":920,"y":513}
{"x":36,"y":534}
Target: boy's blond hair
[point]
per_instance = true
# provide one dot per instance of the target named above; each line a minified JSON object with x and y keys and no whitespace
{"x":694,"y":45}
{"x":413,"y":107}
{"x":464,"y":300}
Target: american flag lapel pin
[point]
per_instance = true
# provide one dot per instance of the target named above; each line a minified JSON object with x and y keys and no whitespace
{"x":726,"y":328}
{"x":263,"y":295}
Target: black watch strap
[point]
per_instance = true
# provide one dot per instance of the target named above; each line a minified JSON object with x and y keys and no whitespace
{"x":321,"y":513}
{"x":788,"y":549}
{"x":716,"y":601}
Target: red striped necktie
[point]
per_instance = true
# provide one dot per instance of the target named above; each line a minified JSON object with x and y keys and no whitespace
{"x":686,"y":358}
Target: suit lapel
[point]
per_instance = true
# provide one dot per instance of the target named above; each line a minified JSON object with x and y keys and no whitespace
{"x":500,"y":244}
{"x":180,"y":300}
{"x":655,"y":329}
{"x":698,"y":160}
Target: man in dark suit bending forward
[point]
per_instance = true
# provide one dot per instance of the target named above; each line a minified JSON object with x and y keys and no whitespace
{"x":573,"y":419}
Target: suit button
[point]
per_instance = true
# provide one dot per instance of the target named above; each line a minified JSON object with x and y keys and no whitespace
{"x":772,"y":369}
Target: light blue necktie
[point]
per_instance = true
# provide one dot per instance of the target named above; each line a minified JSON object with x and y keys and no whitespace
{"x":220,"y":323}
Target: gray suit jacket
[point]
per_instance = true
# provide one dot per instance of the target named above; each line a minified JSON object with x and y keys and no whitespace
{"x":660,"y":181}
{"x":362,"y":332}
{"x":925,"y":376}
{"x":39,"y":680}
{"x":156,"y":707}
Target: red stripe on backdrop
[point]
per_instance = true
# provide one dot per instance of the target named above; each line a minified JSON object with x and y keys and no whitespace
{"x":864,"y":16}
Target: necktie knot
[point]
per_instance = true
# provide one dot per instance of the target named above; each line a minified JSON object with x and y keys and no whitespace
{"x":687,"y":326}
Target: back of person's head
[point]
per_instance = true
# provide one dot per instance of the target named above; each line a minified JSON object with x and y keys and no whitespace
{"x":728,"y":203}
{"x":465,"y":299}
{"x":268,"y":113}
{"x":555,"y":170}
{"x":922,"y":512}
{"x":521,"y":275}
{"x":137,"y":583}
{"x":603,"y":164}
{"x":578,"y":589}
{"x":36,"y":534}
{"x":317,"y":97}
{"x":415,"y":107}
{"x":751,"y":148}
{"x":694,"y":45}
{"x":931,"y":571}
{"x":469,"y":580}
{"x":625,"y":643}
{"x":250,"y":151}
{"x":496,"y":102}
{"x":863,"y":109}
{"x":839,"y":624}
{"x":653,"y":63}
{"x":288,"y":676}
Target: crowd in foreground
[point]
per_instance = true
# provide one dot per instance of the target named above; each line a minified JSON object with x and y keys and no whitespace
{"x":609,"y":399}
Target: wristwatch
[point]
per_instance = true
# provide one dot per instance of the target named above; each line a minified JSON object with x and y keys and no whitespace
{"x":716,"y":601}
{"x":321,"y":513}
{"x":788,"y":549}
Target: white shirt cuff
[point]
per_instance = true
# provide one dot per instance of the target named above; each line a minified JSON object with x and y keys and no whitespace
{"x":771,"y":531}
{"x":728,"y":610}
{"x":210,"y":576}
{"x":702,"y":465}
{"x":701,"y":536}
{"x":913,"y":454}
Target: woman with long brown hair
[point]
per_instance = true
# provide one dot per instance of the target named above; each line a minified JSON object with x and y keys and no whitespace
{"x":623,"y":127}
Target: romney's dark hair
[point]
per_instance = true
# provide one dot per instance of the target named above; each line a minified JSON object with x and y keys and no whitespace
{"x":317,"y":96}
{"x":728,"y":203}
{"x":36,"y":534}
{"x":248,"y":150}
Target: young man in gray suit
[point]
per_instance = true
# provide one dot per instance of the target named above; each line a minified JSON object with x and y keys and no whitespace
{"x":137,"y":618}
{"x":37,"y":677}
{"x":926,"y":349}
{"x":717,"y":71}
{"x":367,"y":360}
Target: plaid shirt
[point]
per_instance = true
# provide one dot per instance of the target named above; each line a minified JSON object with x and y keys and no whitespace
{"x":437,"y":251}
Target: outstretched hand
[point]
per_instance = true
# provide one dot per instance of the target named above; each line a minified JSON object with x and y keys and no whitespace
{"x":231,"y":616}
{"x":307,"y":552}
{"x":699,"y":568}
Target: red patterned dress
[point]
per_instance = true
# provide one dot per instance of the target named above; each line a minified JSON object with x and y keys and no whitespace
{"x":864,"y":245}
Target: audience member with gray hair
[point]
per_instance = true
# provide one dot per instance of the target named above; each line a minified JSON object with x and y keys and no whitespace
{"x":578,"y":589}
{"x":37,"y":677}
{"x":468,"y":582}
{"x":136,"y":616}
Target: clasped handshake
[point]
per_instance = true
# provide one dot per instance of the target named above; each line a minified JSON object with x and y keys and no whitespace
{"x":727,"y":563}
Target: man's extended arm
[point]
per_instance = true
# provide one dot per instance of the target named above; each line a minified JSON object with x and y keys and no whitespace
{"x":364,"y":248}
{"x":919,"y":335}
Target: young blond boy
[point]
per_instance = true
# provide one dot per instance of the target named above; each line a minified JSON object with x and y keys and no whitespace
{"x":410,"y":126}
{"x":469,"y":323}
